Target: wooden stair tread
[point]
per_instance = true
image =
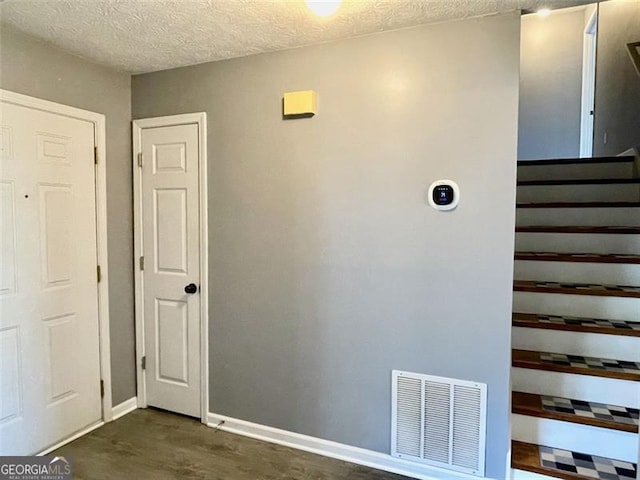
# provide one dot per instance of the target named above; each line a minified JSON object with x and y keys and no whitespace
{"x":577,"y":324}
{"x":578,"y":205}
{"x":578,"y":257}
{"x":578,"y":229}
{"x":577,"y":288}
{"x":576,"y":411}
{"x":578,"y":161}
{"x":578,"y":181}
{"x":528,"y":457}
{"x":576,"y":364}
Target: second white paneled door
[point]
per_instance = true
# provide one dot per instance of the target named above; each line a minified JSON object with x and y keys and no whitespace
{"x":170,"y":268}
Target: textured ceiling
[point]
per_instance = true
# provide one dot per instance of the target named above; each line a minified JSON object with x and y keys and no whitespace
{"x":149,"y":35}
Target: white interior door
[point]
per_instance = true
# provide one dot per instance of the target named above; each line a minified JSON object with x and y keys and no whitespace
{"x":588,"y":84}
{"x":171,"y":275}
{"x":49,"y":330}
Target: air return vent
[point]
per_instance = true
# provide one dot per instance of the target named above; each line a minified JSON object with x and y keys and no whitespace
{"x":439,"y":421}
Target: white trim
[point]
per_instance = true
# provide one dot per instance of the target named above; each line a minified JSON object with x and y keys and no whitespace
{"x":73,"y":437}
{"x":587,"y":119}
{"x":340,"y":451}
{"x":138,"y":277}
{"x":524,"y":475}
{"x":98,"y":121}
{"x":558,"y":11}
{"x":637,"y":462}
{"x":125,"y":407}
{"x":138,"y":125}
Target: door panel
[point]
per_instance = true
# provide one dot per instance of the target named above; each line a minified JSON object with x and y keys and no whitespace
{"x":172,"y":341}
{"x":10,"y":401}
{"x":170,"y":157}
{"x":170,"y":211}
{"x":49,"y":332}
{"x":55,"y":244}
{"x":8,"y":231}
{"x":171,"y":249}
{"x":60,"y":357}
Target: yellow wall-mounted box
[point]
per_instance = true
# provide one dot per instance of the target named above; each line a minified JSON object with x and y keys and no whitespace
{"x":300,"y":103}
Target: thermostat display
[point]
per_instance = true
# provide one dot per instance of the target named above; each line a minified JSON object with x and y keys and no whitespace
{"x":444,"y":195}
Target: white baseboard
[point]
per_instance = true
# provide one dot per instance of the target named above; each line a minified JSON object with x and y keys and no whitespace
{"x":125,"y":407}
{"x":327,"y":448}
{"x":70,"y":439}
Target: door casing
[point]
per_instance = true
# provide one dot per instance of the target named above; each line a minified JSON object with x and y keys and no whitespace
{"x":587,"y":108}
{"x":98,"y":121}
{"x":200,"y":119}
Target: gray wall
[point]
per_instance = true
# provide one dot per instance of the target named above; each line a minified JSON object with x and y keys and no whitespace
{"x":35,"y":68}
{"x":617,"y":83}
{"x":550,"y":85}
{"x":328,"y":269}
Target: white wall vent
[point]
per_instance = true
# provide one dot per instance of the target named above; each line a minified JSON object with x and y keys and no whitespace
{"x":439,"y":421}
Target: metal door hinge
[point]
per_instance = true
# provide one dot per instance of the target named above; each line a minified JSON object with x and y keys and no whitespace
{"x":141,"y":262}
{"x":99,"y":273}
{"x":95,"y":155}
{"x":101,"y":388}
{"x":143,"y":362}
{"x":140,"y":159}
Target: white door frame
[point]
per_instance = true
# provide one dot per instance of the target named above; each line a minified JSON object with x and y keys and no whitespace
{"x":587,"y":113}
{"x":199,"y":119}
{"x":98,"y":121}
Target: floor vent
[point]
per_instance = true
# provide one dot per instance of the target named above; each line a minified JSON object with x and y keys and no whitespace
{"x":439,"y":421}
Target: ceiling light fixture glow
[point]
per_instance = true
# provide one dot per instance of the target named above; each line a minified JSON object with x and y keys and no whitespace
{"x":544,"y":12}
{"x":323,"y":8}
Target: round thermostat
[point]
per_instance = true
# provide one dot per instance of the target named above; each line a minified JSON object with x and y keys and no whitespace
{"x":444,"y":195}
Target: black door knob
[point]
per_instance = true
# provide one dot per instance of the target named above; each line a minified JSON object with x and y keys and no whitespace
{"x":191,"y":288}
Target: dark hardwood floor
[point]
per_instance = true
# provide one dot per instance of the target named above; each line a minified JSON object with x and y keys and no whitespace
{"x":153,"y":444}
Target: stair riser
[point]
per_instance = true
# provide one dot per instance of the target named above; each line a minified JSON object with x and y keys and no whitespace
{"x":524,"y":475}
{"x":578,"y":216}
{"x":577,"y":243}
{"x":576,"y":171}
{"x":575,"y":437}
{"x":583,"y":387}
{"x":613,"y":308}
{"x":578,"y":272}
{"x":579,"y":193}
{"x":577,"y":343}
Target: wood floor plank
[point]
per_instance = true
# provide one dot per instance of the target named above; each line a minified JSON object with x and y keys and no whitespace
{"x":150,"y":444}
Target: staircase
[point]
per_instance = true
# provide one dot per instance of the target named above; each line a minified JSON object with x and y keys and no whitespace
{"x":576,"y":320}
